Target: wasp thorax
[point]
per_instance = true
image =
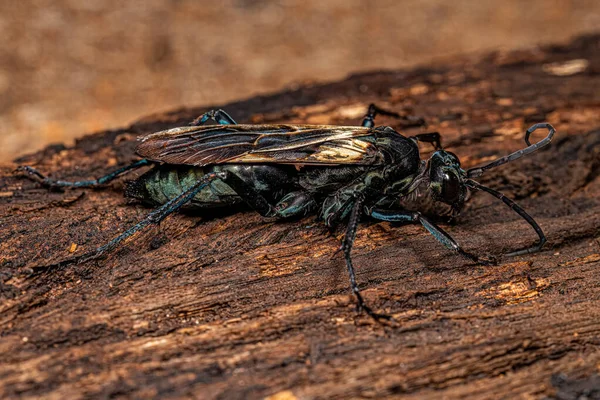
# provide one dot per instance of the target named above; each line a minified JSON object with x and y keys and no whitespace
{"x":446,"y":179}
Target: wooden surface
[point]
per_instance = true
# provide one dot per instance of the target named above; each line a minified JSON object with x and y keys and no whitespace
{"x":236,"y":306}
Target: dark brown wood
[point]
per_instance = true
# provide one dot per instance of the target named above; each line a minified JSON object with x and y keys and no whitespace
{"x":237,"y":306}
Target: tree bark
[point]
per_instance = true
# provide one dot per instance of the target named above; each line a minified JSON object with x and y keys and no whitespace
{"x":236,"y":306}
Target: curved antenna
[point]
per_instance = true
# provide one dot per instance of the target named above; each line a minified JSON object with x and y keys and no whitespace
{"x":475,"y":172}
{"x":515,"y":207}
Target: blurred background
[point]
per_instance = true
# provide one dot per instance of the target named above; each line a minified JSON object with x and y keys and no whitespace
{"x":71,"y":67}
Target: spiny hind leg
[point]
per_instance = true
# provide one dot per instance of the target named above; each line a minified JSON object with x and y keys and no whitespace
{"x":154,"y":217}
{"x":37,"y":176}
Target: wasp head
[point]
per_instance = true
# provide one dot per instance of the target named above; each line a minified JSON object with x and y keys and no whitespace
{"x":447,"y":179}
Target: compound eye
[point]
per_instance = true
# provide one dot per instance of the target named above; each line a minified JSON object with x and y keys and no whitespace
{"x":451,"y":187}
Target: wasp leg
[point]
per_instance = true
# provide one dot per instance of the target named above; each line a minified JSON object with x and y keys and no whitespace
{"x":338,"y":206}
{"x":438,"y":233}
{"x":335,"y":209}
{"x":291,"y":205}
{"x":250,"y":195}
{"x":347,"y":249}
{"x":219,"y":116}
{"x":35,"y":175}
{"x":369,"y":119}
{"x":295,"y":204}
{"x":154,"y":217}
{"x":165,"y":210}
{"x":431,"y":137}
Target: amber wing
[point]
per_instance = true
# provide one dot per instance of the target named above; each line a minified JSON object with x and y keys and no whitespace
{"x":255,"y":144}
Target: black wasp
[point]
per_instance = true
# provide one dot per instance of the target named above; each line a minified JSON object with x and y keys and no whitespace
{"x":284,"y":171}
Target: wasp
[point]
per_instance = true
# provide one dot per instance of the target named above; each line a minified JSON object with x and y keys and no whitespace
{"x":340,"y":173}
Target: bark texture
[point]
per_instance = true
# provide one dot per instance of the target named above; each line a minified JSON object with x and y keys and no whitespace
{"x":236,"y":306}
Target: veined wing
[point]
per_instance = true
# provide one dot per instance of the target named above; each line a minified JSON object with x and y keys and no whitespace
{"x":253,"y":144}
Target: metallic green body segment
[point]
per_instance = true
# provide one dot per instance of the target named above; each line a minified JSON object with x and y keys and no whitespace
{"x":172,"y":187}
{"x":164,"y":184}
{"x":154,"y":187}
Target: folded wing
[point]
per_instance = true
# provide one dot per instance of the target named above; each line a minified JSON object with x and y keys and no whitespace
{"x":253,"y":144}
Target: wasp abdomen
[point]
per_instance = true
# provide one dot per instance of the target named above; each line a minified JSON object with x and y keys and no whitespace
{"x":165,"y":182}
